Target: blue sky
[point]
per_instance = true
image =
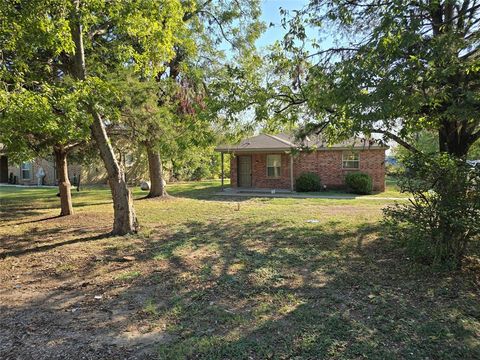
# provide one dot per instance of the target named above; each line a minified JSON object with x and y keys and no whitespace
{"x":271,"y":14}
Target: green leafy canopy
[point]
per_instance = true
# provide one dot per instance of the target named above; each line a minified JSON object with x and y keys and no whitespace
{"x":393,"y":68}
{"x":41,"y":105}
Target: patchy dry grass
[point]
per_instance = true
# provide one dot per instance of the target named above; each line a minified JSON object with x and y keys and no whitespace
{"x":208,"y":278}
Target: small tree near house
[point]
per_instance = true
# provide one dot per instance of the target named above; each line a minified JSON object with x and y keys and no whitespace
{"x":171,"y":114}
{"x":37,"y":123}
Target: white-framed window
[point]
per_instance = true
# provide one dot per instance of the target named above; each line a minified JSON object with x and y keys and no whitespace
{"x":273,"y":165}
{"x":350,"y":160}
{"x":26,"y":170}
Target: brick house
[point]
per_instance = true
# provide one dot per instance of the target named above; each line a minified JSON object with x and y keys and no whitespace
{"x":274,"y":162}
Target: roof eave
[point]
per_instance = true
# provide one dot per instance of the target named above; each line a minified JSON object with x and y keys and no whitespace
{"x":286,"y":149}
{"x":240,"y":150}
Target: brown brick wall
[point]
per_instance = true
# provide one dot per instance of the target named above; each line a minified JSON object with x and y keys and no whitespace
{"x":259,"y":172}
{"x":327,"y":164}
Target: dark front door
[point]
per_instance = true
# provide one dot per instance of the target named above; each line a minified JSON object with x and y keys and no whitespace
{"x":244,"y":171}
{"x":3,"y":169}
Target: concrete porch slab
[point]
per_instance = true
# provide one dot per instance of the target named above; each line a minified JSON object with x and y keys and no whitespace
{"x":229,"y":192}
{"x":258,"y":191}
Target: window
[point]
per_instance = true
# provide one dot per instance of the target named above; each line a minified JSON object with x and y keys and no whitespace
{"x":128,"y":159}
{"x":26,"y":170}
{"x":273,"y":165}
{"x":350,"y":160}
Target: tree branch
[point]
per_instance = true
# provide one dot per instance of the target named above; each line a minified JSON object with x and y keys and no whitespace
{"x":294,"y":102}
{"x":219,"y":23}
{"x":397,"y":139}
{"x":332,"y":50}
{"x":187,"y":16}
{"x":72,"y":146}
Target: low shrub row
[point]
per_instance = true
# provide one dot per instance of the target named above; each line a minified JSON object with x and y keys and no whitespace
{"x":357,"y":183}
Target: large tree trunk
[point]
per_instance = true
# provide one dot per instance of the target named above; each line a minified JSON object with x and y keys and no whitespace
{"x":453,"y":139}
{"x":125,"y":220}
{"x":155,"y":169}
{"x":63,"y":181}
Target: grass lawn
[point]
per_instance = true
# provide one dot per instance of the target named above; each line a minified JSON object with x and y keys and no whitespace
{"x":218,"y":278}
{"x":391,"y":191}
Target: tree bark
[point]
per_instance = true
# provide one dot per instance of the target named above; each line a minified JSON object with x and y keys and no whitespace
{"x":125,"y":220}
{"x":155,"y":169}
{"x":453,"y":141}
{"x":63,"y":182}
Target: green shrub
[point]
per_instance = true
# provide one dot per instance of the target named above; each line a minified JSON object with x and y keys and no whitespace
{"x":359,"y":183}
{"x":308,"y":182}
{"x":441,"y":220}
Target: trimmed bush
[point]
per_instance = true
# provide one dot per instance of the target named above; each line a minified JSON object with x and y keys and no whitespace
{"x":359,"y":183}
{"x":308,"y":182}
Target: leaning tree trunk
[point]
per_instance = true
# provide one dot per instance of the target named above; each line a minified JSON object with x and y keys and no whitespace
{"x":155,"y":169}
{"x":63,"y":181}
{"x":125,"y":220}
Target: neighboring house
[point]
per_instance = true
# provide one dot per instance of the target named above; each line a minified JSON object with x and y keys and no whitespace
{"x":26,"y":172}
{"x":267,"y":161}
{"x":391,"y":160}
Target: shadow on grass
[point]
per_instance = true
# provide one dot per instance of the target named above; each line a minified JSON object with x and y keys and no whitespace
{"x":20,"y":251}
{"x":309,"y":292}
{"x":31,"y":221}
{"x":19,"y":203}
{"x":255,"y":289}
{"x":12,"y":212}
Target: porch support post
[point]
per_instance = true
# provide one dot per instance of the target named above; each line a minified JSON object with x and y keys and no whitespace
{"x":222,"y":170}
{"x":291,"y":171}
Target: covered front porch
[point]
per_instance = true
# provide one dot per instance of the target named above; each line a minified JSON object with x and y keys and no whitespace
{"x":245,"y":190}
{"x":261,"y":171}
{"x":262,"y":163}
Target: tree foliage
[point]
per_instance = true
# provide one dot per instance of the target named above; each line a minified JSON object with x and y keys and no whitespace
{"x":394,"y":68}
{"x":171,"y":114}
{"x":426,"y":142}
{"x":33,"y":122}
{"x":440,"y":224}
{"x":390,"y":67}
{"x":81,"y":42}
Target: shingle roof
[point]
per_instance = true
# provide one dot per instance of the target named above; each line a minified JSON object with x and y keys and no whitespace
{"x":259,"y":142}
{"x":285,"y":142}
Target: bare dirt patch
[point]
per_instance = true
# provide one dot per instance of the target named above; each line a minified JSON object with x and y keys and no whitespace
{"x":59,"y":296}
